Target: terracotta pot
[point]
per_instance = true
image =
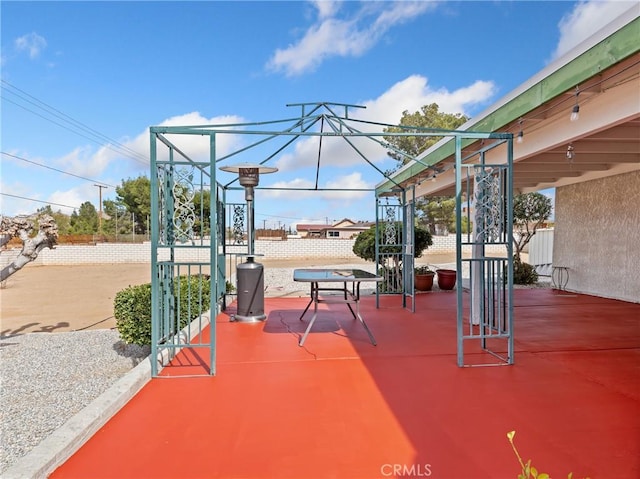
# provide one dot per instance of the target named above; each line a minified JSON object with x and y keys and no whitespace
{"x":424,"y":282}
{"x":446,"y":278}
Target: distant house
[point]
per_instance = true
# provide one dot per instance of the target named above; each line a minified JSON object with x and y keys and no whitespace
{"x":343,"y":229}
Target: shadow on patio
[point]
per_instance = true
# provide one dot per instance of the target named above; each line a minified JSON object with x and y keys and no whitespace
{"x":340,"y":407}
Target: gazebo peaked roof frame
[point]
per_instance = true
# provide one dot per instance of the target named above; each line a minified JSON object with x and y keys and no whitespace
{"x":176,"y":177}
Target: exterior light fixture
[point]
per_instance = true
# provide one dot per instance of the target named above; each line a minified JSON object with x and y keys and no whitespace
{"x":570,"y":153}
{"x":575,"y":111}
{"x":520,"y":137}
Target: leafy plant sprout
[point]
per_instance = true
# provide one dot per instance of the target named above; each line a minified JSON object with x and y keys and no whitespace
{"x":528,"y":470}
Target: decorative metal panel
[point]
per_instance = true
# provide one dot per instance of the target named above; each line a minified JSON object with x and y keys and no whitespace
{"x":238,"y":221}
{"x":488,"y":202}
{"x":162,"y":207}
{"x":184,"y":216}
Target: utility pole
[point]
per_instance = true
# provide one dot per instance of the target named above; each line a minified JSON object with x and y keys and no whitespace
{"x":100,"y":187}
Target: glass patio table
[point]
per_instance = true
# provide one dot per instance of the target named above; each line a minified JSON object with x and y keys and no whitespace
{"x":340,"y":279}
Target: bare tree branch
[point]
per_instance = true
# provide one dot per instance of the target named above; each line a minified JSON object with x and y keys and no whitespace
{"x":22,"y":227}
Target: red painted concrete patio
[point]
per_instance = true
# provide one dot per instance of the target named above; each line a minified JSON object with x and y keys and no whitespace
{"x":342,"y":408}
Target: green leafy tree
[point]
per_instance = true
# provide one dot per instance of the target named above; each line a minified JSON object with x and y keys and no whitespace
{"x":85,"y":221}
{"x":530,"y":211}
{"x":429,"y":116}
{"x":118,"y":220}
{"x":438,"y":212}
{"x":135,"y":195}
{"x":201,"y":203}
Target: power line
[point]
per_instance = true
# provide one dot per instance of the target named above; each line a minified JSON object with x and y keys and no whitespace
{"x":108,"y":146}
{"x":55,"y":169}
{"x":39,"y":201}
{"x":69,"y":119}
{"x":75,"y":125}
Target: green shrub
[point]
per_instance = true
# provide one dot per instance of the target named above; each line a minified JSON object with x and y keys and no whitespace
{"x":132,"y":307}
{"x":391,"y":279}
{"x":132,"y":310}
{"x":524,"y":273}
{"x":365,"y":245}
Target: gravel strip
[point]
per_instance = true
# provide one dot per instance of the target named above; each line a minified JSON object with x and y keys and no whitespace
{"x":49,"y":377}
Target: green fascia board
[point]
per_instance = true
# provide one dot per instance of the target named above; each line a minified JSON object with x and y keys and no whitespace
{"x":620,"y":45}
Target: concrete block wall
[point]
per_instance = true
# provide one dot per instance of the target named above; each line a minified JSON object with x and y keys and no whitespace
{"x":292,"y":248}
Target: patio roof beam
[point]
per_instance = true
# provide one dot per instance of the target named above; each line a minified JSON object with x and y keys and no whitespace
{"x":557,"y":166}
{"x":585,"y":157}
{"x":609,"y":51}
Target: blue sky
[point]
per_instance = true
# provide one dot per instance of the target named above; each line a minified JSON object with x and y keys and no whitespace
{"x":83,"y":81}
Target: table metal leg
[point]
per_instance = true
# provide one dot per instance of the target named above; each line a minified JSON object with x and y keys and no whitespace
{"x":356,"y":314}
{"x":373,"y":340}
{"x":359,"y":316}
{"x":313,"y":318}
{"x":346,"y":294}
{"x":309,"y":304}
{"x":560,"y":277}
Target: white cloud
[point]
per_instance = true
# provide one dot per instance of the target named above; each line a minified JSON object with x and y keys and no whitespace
{"x":586,"y":19}
{"x":299,"y":184}
{"x":31,"y":43}
{"x":414,"y":92}
{"x":326,"y":8}
{"x":331,"y":36}
{"x":410,"y":95}
{"x":13,"y":205}
{"x":195,"y":146}
{"x":350,"y":181}
{"x":65,"y":201}
{"x":74,"y":197}
{"x":85,"y":161}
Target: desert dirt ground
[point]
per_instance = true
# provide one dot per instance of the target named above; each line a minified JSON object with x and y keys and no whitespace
{"x":72,"y":298}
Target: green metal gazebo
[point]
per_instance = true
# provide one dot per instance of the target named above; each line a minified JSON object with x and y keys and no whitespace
{"x":191,"y":241}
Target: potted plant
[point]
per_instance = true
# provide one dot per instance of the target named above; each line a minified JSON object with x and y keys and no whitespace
{"x":446,"y":278}
{"x":423,"y":278}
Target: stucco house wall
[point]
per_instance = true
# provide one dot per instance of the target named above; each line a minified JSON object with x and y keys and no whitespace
{"x":597,"y":236}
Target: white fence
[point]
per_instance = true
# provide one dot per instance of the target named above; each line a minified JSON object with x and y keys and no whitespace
{"x":541,"y":251}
